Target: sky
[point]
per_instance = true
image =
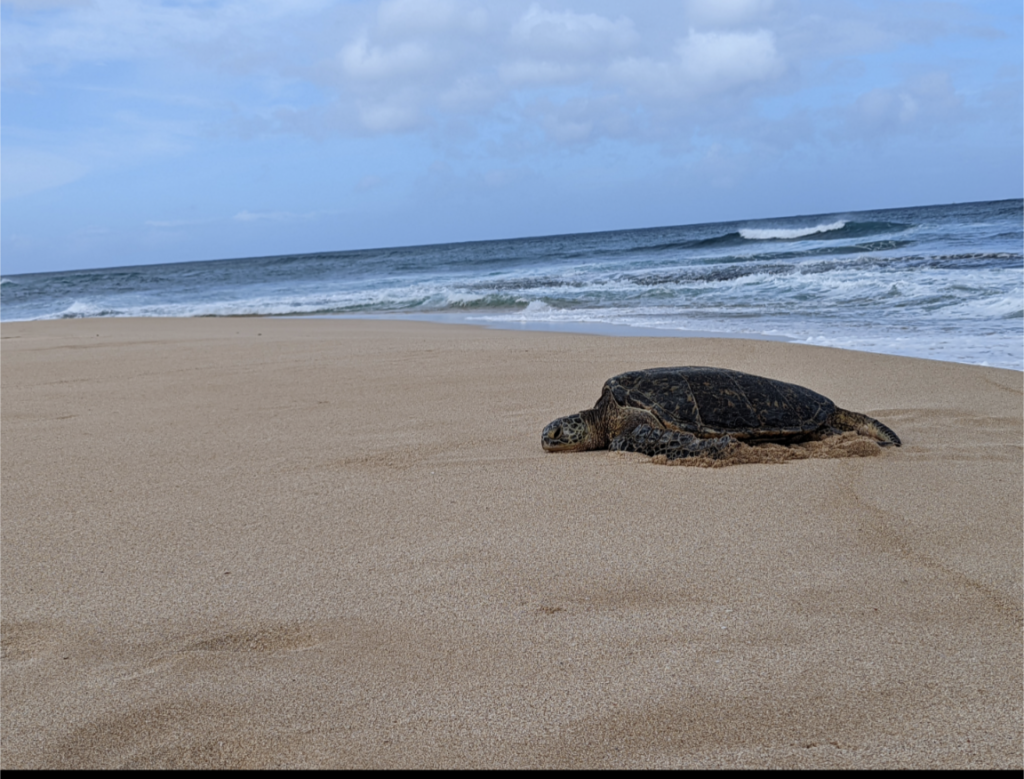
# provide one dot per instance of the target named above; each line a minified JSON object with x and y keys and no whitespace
{"x":136,"y":132}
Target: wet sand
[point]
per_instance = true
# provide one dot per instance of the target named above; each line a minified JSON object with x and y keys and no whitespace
{"x":298,"y":543}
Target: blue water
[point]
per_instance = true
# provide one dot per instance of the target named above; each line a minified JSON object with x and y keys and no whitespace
{"x":942,"y":282}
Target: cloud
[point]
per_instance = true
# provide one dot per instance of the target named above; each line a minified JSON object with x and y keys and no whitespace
{"x":416,"y":17}
{"x":391,"y":116}
{"x":705,"y":63}
{"x":363,"y":61}
{"x":727,"y":13}
{"x":54,"y":37}
{"x":397,"y":75}
{"x":25,"y":171}
{"x":532,"y":71}
{"x":509,"y":73}
{"x":927,"y":102}
{"x":42,"y":5}
{"x":560,"y":33}
{"x":717,"y":61}
{"x":548,"y":47}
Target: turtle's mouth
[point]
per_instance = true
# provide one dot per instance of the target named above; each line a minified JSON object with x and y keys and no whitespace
{"x":551,"y":438}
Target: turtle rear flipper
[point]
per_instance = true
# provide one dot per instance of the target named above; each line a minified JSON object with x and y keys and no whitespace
{"x":675,"y":446}
{"x":863,"y":424}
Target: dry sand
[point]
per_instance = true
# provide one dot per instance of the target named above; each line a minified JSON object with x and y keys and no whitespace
{"x":255,"y":543}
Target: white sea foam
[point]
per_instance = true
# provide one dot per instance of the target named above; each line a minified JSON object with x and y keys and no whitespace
{"x":995,"y":307}
{"x":788,"y":234}
{"x":80,"y":309}
{"x":925,"y":299}
{"x":408,"y":297}
{"x":1001,"y":349}
{"x":535,"y":308}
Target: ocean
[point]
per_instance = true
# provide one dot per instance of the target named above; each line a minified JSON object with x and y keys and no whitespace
{"x":941,"y":282}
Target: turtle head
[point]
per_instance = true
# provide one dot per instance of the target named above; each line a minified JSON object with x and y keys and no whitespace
{"x":574,"y":433}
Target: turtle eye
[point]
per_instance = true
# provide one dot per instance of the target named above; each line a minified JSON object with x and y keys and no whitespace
{"x":555,"y":433}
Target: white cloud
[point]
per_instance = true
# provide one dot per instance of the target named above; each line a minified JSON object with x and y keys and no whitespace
{"x":409,"y":61}
{"x":719,"y":61}
{"x":44,"y":5}
{"x":55,"y":36}
{"x":705,"y":63}
{"x":566,"y":32}
{"x":417,"y":17}
{"x":727,"y":13}
{"x":401,"y":72}
{"x":390,"y":116}
{"x":361,"y":60}
{"x":928,"y":100}
{"x":320,"y":68}
{"x":550,"y":47}
{"x":532,"y":71}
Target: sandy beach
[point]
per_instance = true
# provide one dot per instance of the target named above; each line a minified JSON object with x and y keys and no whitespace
{"x":312,"y":543}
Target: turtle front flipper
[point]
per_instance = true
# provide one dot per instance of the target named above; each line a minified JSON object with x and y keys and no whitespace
{"x":675,"y":446}
{"x":863,"y":424}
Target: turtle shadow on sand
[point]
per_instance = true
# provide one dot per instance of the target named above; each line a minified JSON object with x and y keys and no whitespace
{"x":715,"y":417}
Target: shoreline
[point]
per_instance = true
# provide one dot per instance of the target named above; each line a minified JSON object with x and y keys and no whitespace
{"x":301,"y":543}
{"x":581,"y":328}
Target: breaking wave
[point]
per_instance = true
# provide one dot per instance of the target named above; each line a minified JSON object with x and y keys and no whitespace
{"x":788,"y":234}
{"x":944,"y":282}
{"x":836,"y":231}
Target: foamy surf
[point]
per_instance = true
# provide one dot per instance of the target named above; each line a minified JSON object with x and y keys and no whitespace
{"x":944,"y":282}
{"x":788,"y":234}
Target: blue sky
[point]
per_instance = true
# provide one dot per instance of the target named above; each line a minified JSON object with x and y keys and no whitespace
{"x":139,"y":132}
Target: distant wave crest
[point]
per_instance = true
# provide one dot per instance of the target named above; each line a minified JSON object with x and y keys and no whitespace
{"x":788,"y":234}
{"x":839,"y":230}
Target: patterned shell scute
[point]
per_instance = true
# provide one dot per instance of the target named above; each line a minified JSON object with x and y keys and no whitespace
{"x":715,"y":400}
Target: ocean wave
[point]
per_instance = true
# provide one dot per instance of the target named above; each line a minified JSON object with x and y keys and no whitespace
{"x":535,"y":310}
{"x":995,"y":306}
{"x":788,"y":234}
{"x":415,"y":298}
{"x":708,"y":275}
{"x":83,"y":310}
{"x":852,"y":279}
{"x":997,"y":347}
{"x":974,"y":258}
{"x":833,"y":231}
{"x":856,"y":285}
{"x":529,"y":283}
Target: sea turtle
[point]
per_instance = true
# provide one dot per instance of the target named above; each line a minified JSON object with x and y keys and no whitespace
{"x":682,"y":412}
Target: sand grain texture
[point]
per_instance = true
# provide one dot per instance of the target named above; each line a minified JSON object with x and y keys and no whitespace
{"x":258,"y":543}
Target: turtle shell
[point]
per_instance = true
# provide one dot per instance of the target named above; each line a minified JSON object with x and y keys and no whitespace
{"x":714,"y":401}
